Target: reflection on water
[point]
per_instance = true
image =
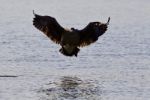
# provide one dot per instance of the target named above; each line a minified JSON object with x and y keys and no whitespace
{"x":71,"y":88}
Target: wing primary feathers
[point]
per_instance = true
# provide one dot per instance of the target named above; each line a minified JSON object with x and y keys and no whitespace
{"x":49,"y":26}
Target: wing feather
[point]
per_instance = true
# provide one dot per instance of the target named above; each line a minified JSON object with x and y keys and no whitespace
{"x":91,"y":32}
{"x":49,"y":26}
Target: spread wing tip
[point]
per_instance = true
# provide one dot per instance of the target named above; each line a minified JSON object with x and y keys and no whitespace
{"x":108,"y":21}
{"x":36,"y":20}
{"x":34,"y":13}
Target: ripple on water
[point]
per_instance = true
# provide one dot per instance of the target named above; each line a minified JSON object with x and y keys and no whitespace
{"x":71,"y":88}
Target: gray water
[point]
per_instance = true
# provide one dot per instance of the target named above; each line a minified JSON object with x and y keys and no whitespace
{"x":116,"y":67}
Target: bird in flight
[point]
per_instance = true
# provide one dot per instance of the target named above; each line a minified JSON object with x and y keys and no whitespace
{"x":69,"y":39}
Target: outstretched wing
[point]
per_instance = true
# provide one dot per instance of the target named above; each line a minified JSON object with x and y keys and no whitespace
{"x":49,"y":26}
{"x":91,"y":32}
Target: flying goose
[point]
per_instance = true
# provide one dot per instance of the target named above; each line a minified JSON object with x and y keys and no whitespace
{"x":69,"y":39}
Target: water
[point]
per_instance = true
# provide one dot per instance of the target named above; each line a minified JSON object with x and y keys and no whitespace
{"x":116,"y":67}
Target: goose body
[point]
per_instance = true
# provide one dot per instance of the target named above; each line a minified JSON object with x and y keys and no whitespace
{"x":70,"y":40}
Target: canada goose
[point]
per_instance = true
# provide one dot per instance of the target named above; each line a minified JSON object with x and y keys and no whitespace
{"x":70,"y":40}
